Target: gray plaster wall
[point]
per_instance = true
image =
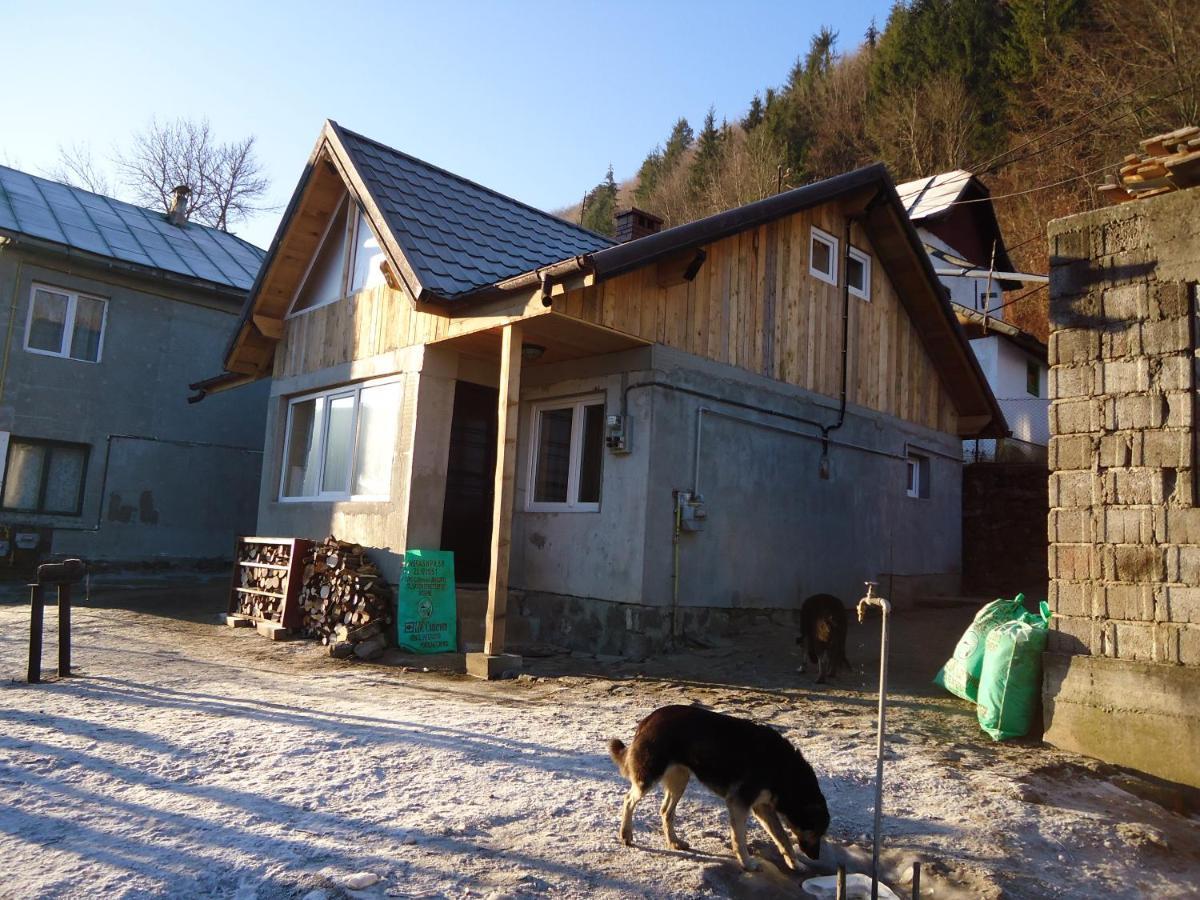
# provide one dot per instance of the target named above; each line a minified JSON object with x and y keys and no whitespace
{"x":154,"y":459}
{"x":412,"y":518}
{"x":776,"y":531}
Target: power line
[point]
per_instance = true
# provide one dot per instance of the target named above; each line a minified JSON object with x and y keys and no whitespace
{"x":983,"y":167}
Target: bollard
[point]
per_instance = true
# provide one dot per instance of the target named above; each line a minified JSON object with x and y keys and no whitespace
{"x":34,"y":672}
{"x":61,"y":575}
{"x":916,"y":881}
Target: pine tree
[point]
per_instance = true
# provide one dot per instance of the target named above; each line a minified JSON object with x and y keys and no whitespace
{"x":708,"y":156}
{"x":600,"y":205}
{"x":660,"y":161}
{"x":754,"y":115}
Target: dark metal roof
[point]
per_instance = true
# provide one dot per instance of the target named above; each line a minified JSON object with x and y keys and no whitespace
{"x":458,"y":236}
{"x":103,"y":226}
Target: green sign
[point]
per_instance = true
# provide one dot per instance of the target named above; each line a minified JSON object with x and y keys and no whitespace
{"x":427,"y":606}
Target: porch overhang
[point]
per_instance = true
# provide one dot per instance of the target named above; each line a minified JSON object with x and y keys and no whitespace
{"x":548,"y":338}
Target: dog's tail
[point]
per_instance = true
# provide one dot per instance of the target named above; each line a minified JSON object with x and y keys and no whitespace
{"x":616,"y":749}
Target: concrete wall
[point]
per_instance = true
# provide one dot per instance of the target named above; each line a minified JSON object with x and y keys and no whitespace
{"x":1124,"y":523}
{"x":776,"y":532}
{"x":154,"y":459}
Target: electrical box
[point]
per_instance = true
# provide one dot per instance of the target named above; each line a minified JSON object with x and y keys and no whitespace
{"x":616,"y":435}
{"x":692,"y":511}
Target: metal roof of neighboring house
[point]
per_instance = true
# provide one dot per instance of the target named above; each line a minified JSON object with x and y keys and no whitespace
{"x":459,"y":236}
{"x":80,"y":220}
{"x":932,"y":196}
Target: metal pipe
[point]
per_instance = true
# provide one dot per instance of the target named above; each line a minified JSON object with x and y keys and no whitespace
{"x":841,"y":882}
{"x":916,"y":881}
{"x":675,"y":576}
{"x":36,"y":618}
{"x":872,"y":600}
{"x":64,"y":630}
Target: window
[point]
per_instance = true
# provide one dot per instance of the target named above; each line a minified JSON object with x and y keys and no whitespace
{"x":65,"y":323}
{"x":340,"y":444}
{"x":1033,"y":378}
{"x":858,"y":273}
{"x":566,"y":449}
{"x":347,"y":260}
{"x":916,"y":469}
{"x":44,"y":476}
{"x":823,"y":259}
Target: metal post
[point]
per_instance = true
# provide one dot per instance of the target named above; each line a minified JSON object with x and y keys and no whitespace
{"x":34,"y":674}
{"x":916,"y":881}
{"x":841,"y":882}
{"x":872,"y":600}
{"x":64,"y":630}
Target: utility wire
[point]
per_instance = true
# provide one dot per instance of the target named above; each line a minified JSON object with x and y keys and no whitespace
{"x":983,"y":167}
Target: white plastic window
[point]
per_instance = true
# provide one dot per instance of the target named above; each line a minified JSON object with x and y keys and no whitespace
{"x":65,"y":323}
{"x":566,"y":455}
{"x":858,"y":273}
{"x":823,"y":256}
{"x":340,"y":444}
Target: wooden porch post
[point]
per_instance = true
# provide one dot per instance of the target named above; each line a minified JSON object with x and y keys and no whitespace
{"x":493,"y":662}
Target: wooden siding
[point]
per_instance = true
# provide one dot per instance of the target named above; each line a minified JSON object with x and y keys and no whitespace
{"x":755,"y":305}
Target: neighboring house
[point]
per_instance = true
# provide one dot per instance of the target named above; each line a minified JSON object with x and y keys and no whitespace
{"x":1122,"y":678}
{"x":107,"y":312}
{"x":646,"y":439}
{"x":954,"y":216}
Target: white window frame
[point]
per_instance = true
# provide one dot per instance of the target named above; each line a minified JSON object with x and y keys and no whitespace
{"x":354,"y":214}
{"x":572,"y":504}
{"x":864,"y":258}
{"x":328,"y":394}
{"x":64,"y":347}
{"x":913,"y":463}
{"x":830,"y":241}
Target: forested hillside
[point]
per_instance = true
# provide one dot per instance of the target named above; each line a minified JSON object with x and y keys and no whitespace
{"x":1040,"y":98}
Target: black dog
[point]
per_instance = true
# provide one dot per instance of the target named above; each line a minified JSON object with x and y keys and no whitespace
{"x":823,"y":634}
{"x":752,"y":767}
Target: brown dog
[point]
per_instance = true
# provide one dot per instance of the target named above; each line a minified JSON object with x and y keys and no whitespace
{"x":752,"y":767}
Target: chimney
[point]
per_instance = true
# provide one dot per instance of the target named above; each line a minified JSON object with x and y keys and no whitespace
{"x":634,"y":223}
{"x":177,"y":215}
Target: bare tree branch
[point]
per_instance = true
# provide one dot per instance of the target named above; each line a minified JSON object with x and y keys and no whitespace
{"x":77,"y":167}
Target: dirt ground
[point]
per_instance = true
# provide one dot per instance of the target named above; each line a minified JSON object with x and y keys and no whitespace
{"x":189,"y":759}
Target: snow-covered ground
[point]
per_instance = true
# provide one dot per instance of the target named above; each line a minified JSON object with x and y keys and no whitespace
{"x":194,"y":760}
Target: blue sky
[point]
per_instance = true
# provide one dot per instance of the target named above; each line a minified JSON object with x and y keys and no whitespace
{"x":533,"y":99}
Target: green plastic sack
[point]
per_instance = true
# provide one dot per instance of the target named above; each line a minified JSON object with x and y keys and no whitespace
{"x":1012,"y":675}
{"x":960,"y":674}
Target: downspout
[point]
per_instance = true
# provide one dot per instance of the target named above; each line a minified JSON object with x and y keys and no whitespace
{"x":827,"y":429}
{"x":5,"y":243}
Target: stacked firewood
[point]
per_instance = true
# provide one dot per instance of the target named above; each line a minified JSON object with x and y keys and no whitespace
{"x":262,"y":576}
{"x":344,"y":601}
{"x":1168,"y":162}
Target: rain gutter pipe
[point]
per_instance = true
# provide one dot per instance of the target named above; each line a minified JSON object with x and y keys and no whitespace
{"x":871,"y":599}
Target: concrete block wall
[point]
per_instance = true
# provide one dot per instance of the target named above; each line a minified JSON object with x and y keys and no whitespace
{"x":1124,"y":520}
{"x":1124,"y":561}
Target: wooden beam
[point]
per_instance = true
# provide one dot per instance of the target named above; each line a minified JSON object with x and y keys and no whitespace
{"x":269,"y":327}
{"x":506,"y":471}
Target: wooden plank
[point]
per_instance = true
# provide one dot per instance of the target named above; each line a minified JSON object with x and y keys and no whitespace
{"x":508,"y":412}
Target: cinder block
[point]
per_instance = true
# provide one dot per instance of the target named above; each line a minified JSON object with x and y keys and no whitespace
{"x":1182,"y":525}
{"x":1178,"y":412}
{"x":1071,"y":526}
{"x":1132,"y":640}
{"x":1178,"y":603}
{"x":1071,"y":598}
{"x":1116,"y":451}
{"x":1130,"y":602}
{"x":1120,"y":341}
{"x":1124,"y":376}
{"x":1127,"y":526}
{"x":1167,"y":300}
{"x":1161,"y":448}
{"x":1135,"y":563}
{"x":1072,"y":634}
{"x":1165,"y":337}
{"x":1183,"y":564}
{"x":1073,"y":347}
{"x":1072,"y":451}
{"x":1072,"y":382}
{"x":1189,"y":645}
{"x":1125,"y":302}
{"x":1133,"y":487}
{"x":1074,"y":416}
{"x":1073,"y":562}
{"x":1134,"y":412}
{"x":1174,"y":373}
{"x":1070,"y":245}
{"x":1073,"y":489}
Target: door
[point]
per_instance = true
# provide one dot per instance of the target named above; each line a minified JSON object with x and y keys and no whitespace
{"x":471,"y":481}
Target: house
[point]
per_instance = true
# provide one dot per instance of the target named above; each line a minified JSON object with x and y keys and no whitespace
{"x":954,"y":216}
{"x":107,"y":312}
{"x":1122,"y":675}
{"x":646,"y":439}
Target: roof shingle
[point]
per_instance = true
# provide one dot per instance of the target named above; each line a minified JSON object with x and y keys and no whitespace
{"x":459,"y":236}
